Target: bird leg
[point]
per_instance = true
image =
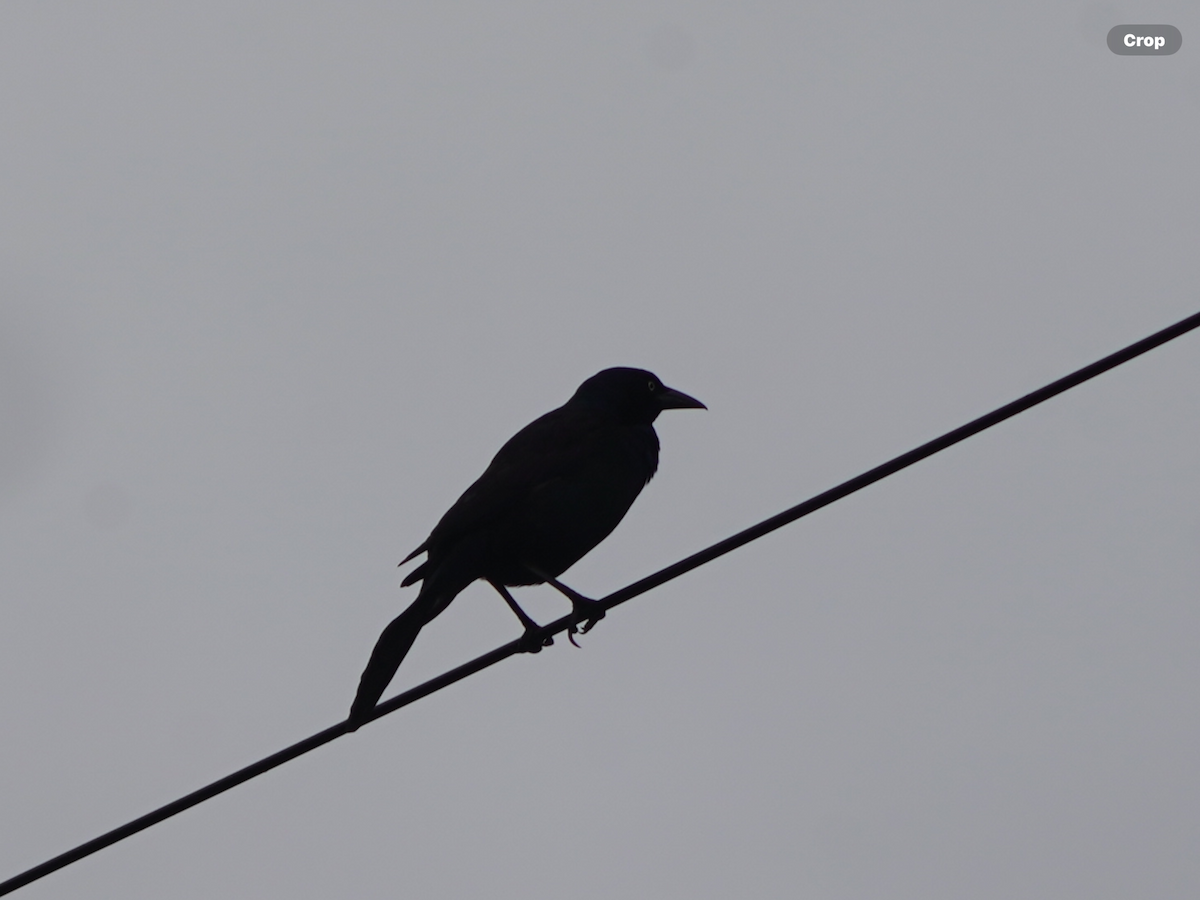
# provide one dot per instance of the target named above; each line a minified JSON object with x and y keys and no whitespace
{"x":583,"y":609}
{"x":534,"y":643}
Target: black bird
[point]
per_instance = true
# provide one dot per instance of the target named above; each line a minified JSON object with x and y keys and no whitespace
{"x":553,"y":492}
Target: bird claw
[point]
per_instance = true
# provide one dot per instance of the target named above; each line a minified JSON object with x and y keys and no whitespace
{"x":532,"y":641}
{"x":587,"y":612}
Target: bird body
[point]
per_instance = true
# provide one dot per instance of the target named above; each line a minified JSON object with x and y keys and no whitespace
{"x":556,"y":489}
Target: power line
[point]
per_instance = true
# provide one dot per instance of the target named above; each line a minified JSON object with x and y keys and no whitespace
{"x":532,"y":641}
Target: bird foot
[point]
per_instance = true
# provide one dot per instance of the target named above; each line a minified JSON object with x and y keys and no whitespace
{"x":532,"y":641}
{"x":585,"y":611}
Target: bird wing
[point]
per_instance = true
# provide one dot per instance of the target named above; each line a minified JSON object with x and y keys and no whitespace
{"x":552,"y":446}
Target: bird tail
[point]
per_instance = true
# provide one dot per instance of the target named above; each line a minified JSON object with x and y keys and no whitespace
{"x":391,"y":648}
{"x":440,"y":585}
{"x":397,"y":639}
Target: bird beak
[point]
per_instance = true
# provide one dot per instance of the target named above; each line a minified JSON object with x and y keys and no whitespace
{"x":669,"y":398}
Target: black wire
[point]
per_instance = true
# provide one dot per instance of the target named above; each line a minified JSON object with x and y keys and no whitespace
{"x":534,"y":639}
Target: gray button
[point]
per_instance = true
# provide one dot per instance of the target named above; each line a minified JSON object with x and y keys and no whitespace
{"x":1144,"y":40}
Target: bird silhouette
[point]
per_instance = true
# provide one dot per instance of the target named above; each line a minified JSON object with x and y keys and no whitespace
{"x":555,"y":490}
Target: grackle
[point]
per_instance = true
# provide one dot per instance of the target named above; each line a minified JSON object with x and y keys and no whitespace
{"x":553,"y":492}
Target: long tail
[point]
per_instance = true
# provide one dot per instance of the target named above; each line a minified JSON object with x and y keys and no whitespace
{"x":391,"y":648}
{"x":439,"y":585}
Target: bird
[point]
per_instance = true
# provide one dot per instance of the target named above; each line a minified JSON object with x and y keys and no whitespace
{"x":555,"y":490}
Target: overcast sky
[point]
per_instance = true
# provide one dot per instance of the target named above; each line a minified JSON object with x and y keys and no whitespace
{"x":277,"y":280}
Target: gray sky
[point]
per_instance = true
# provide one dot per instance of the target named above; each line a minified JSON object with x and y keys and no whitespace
{"x":276,"y":281}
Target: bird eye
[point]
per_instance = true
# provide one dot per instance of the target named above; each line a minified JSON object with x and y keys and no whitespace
{"x":653,"y":387}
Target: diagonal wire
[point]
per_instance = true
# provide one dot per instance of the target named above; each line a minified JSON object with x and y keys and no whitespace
{"x":534,"y":639}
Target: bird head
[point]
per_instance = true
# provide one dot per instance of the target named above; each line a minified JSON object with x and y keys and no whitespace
{"x":634,"y":396}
